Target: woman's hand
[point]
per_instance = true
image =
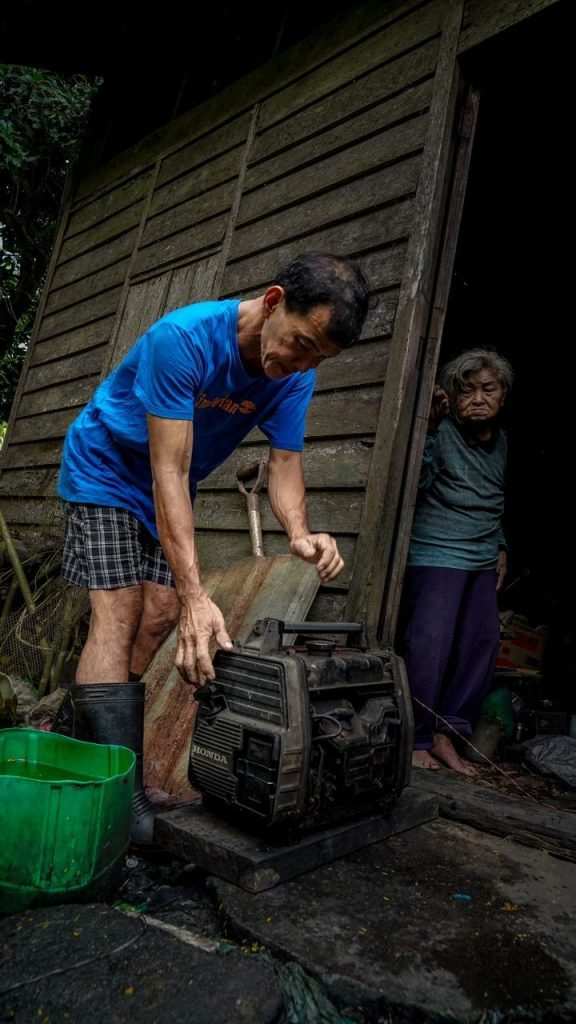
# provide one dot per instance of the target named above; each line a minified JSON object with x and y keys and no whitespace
{"x":438,"y":409}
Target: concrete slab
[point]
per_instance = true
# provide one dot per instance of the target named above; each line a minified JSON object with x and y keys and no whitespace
{"x":439,"y":923}
{"x":93,"y":965}
{"x":257,"y":862}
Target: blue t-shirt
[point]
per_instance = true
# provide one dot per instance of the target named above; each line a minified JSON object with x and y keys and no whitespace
{"x":186,"y":367}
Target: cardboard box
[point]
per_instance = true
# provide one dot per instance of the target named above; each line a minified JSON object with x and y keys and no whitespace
{"x":521,"y":645}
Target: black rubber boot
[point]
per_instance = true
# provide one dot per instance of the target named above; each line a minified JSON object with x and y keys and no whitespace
{"x":114,"y":713}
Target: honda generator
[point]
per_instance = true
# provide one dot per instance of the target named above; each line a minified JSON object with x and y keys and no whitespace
{"x":294,"y":737}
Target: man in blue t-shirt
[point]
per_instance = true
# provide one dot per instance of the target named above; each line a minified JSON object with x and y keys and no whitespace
{"x":180,"y":402}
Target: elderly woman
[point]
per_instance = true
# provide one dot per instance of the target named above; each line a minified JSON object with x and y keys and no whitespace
{"x":449,"y":626}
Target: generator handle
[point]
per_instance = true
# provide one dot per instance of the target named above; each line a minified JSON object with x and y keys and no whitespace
{"x":270,"y":632}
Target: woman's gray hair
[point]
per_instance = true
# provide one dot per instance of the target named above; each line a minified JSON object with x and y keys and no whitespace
{"x":454,"y":375}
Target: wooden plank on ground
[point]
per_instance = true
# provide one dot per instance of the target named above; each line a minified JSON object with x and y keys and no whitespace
{"x":518,"y":818}
{"x":256,"y":864}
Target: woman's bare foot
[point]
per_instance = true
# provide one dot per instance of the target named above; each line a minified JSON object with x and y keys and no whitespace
{"x":423,"y":759}
{"x":443,"y":750}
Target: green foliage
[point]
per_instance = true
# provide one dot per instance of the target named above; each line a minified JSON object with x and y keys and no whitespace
{"x":42,"y":119}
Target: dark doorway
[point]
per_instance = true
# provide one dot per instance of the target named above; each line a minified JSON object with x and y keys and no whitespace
{"x":511,"y":290}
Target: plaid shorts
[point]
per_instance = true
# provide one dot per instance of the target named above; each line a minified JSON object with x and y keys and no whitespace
{"x":106,"y":548}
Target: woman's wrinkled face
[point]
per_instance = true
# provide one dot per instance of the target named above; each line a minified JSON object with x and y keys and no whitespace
{"x":481,"y":398}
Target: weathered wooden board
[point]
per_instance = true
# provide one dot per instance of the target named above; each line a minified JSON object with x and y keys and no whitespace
{"x":107,"y":202}
{"x":93,"y":260}
{"x":484,"y":19}
{"x":415,"y":28}
{"x":385,"y":229}
{"x":83,"y":364}
{"x":256,"y":864}
{"x":326,"y":169}
{"x":329,"y":606}
{"x":382,"y":122}
{"x":28,"y":482}
{"x":38,"y":428}
{"x":85,"y":312}
{"x":281,"y":586}
{"x":42,"y":453}
{"x":335,"y":413}
{"x":64,"y":343}
{"x":71,"y":394}
{"x":339,"y":510}
{"x":338,"y":463}
{"x":374,"y":557}
{"x":219,"y":148}
{"x":102,"y":231}
{"x":517,"y":818}
{"x":192,"y":211}
{"x":361,"y":364}
{"x":192,"y":243}
{"x":350,"y":100}
{"x":381,"y":188}
{"x":85,"y":287}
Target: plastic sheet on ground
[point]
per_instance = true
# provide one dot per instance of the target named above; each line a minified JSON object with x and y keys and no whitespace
{"x":555,"y":755}
{"x":305,"y":1002}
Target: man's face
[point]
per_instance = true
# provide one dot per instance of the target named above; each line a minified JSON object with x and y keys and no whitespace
{"x":481,"y":399}
{"x":292,"y":342}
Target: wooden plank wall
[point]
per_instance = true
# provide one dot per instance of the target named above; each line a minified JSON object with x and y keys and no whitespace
{"x":326,"y":156}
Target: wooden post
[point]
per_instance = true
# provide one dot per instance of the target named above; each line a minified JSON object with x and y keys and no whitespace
{"x":379,"y":526}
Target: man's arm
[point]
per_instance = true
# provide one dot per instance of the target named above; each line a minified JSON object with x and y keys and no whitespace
{"x":288,"y":500}
{"x":170,"y":456}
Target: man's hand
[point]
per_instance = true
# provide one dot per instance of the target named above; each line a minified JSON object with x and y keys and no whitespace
{"x":200,"y":620}
{"x":501,"y":569}
{"x":438,"y":409}
{"x":321,"y":550}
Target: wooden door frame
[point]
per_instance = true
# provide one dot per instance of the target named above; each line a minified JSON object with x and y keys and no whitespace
{"x":429,"y":356}
{"x":399,"y":442}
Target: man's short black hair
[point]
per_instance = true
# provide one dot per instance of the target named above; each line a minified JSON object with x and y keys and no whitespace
{"x":321,"y":279}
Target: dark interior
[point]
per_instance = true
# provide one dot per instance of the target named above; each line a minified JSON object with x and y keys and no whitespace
{"x":511,"y":291}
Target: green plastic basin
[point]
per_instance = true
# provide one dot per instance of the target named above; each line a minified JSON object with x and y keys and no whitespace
{"x":64,"y":816}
